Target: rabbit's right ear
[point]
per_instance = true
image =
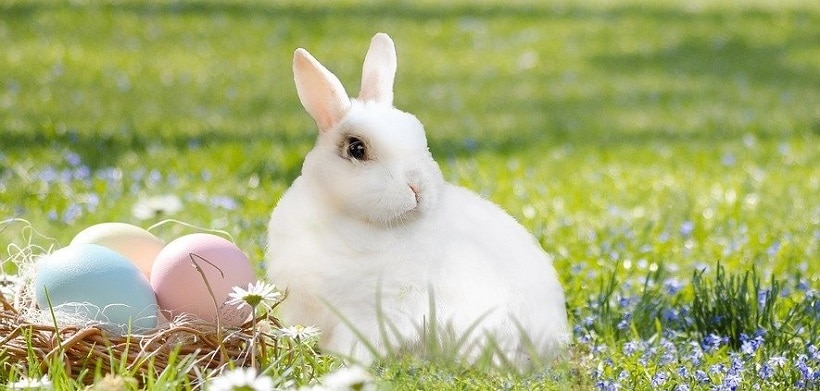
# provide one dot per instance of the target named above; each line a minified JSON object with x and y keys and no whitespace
{"x":320,"y":91}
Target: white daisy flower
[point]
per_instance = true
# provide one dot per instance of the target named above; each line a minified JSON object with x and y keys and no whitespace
{"x":157,"y":206}
{"x":26,"y":383}
{"x":349,"y":378}
{"x":260,"y":293}
{"x":299,"y":332}
{"x":240,"y":379}
{"x":344,"y":379}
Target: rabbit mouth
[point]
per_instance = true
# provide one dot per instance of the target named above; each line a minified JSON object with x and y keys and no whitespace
{"x":402,"y":217}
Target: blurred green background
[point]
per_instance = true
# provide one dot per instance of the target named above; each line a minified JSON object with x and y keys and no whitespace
{"x":662,"y":131}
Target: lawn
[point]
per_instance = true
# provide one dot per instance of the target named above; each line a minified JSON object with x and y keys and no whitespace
{"x":660,"y":152}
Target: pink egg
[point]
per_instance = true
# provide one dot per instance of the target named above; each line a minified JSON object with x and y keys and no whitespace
{"x":180,"y":270}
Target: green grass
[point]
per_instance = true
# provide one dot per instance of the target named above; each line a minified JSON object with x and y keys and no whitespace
{"x":639,"y":141}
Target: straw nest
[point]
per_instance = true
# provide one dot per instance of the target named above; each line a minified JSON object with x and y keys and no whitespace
{"x":198,"y":347}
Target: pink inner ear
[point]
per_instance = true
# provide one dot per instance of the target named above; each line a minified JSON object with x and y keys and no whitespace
{"x":320,"y":92}
{"x":379,"y":70}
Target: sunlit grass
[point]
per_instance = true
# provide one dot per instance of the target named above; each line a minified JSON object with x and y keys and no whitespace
{"x":640,"y":142}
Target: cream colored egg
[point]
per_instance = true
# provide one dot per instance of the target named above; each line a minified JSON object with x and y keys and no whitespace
{"x":134,"y":243}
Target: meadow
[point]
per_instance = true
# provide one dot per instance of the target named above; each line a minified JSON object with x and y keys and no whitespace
{"x":666,"y":154}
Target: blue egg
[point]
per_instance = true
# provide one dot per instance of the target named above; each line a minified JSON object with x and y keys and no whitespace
{"x":113,"y":289}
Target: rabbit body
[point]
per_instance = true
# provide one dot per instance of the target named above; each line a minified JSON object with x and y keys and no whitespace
{"x":370,"y":242}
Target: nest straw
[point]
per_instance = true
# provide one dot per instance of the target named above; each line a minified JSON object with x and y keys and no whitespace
{"x":92,"y":348}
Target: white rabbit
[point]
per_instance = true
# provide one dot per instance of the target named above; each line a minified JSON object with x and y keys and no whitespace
{"x":370,"y":236}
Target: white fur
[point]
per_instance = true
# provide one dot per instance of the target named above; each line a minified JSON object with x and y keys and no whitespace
{"x":372,"y":241}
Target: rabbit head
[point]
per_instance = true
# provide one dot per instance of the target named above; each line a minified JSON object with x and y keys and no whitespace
{"x":371,"y":161}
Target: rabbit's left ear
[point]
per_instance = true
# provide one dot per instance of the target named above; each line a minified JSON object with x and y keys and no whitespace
{"x":379,"y":70}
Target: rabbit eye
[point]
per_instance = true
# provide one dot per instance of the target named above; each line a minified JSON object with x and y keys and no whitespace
{"x":356,"y":149}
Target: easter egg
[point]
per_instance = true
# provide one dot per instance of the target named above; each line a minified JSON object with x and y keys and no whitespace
{"x":194,"y":274}
{"x":98,"y":283}
{"x":134,"y":243}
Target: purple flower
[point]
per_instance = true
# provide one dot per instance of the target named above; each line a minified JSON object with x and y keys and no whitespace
{"x":669,"y":315}
{"x":624,"y":323}
{"x":667,"y":358}
{"x":672,"y":286}
{"x":748,"y":347}
{"x":773,"y":249}
{"x":713,"y":342}
{"x":224,"y":202}
{"x":806,"y":372}
{"x":687,"y":228}
{"x":607,"y":385}
{"x":660,"y":379}
{"x":630,"y":348}
{"x":72,"y":213}
{"x":701,"y":377}
{"x":732,"y":381}
{"x":777,"y":361}
{"x":802,"y":285}
{"x":814,"y":352}
{"x":695,"y":357}
{"x":765,"y":372}
{"x":763,"y":297}
{"x":717,"y":369}
{"x":72,"y":158}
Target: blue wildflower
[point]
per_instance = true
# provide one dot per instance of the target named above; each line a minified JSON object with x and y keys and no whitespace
{"x":72,"y":158}
{"x":695,"y":357}
{"x":624,"y":323}
{"x":737,"y":363}
{"x":224,"y":202}
{"x":660,"y":379}
{"x":763,"y":297}
{"x":607,"y":385}
{"x":773,"y":249}
{"x":717,"y":369}
{"x":813,"y":352}
{"x":766,"y":371}
{"x":154,"y":177}
{"x":802,"y":285}
{"x":630,"y":348}
{"x":701,"y":377}
{"x":667,"y":358}
{"x":732,"y":381}
{"x":682,"y":387}
{"x":72,"y":213}
{"x":748,"y":347}
{"x":686,"y":228}
{"x":806,"y":372}
{"x":672,"y":286}
{"x":683,"y":371}
{"x":669,"y":315}
{"x":777,"y":361}
{"x":713,"y":342}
